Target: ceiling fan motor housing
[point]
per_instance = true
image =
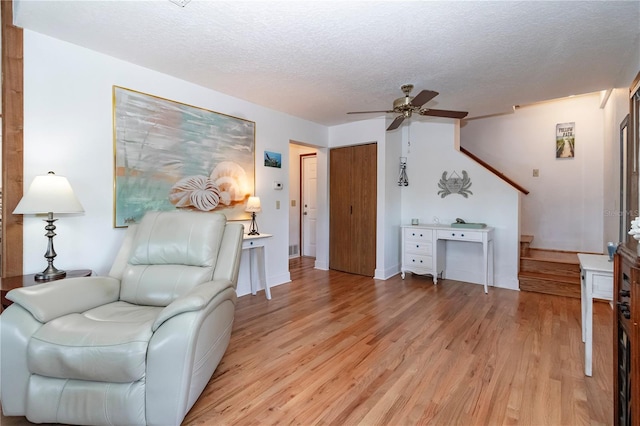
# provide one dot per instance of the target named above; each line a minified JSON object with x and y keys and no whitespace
{"x":403,"y":106}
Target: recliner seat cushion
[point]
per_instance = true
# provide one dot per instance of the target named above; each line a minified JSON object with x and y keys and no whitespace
{"x":108,"y":343}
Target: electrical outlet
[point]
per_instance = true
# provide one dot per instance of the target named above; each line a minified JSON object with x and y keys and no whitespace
{"x":536,"y":172}
{"x":277,"y":204}
{"x":293,"y":203}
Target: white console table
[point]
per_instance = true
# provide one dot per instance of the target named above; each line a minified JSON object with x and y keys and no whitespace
{"x":256,"y":245}
{"x":596,"y":281}
{"x":424,"y":249}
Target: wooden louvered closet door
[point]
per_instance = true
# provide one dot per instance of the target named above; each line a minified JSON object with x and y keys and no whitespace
{"x":352,"y":212}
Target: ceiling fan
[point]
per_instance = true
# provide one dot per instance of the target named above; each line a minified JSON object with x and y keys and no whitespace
{"x":409,"y":104}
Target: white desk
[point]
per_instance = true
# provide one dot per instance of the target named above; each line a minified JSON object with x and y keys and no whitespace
{"x":424,"y":249}
{"x":256,"y":245}
{"x":596,"y":281}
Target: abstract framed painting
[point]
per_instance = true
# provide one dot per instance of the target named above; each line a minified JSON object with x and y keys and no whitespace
{"x":170,"y":155}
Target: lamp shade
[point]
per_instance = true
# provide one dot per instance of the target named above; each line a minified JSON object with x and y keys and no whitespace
{"x":49,"y":193}
{"x":253,"y":205}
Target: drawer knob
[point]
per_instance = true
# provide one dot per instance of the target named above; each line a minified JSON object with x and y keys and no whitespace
{"x":453,"y":234}
{"x":462,"y":235}
{"x":417,"y":245}
{"x":421,"y":235}
{"x":421,"y":261}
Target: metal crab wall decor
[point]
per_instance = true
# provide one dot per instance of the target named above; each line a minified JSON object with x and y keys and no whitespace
{"x":455,"y":184}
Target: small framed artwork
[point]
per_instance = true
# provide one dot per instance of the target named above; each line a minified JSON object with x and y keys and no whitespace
{"x":272,"y":159}
{"x":565,"y":140}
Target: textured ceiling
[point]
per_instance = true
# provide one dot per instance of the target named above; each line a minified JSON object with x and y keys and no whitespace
{"x":319,"y":59}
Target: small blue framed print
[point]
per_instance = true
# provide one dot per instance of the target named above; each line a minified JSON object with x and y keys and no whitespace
{"x":272,"y":159}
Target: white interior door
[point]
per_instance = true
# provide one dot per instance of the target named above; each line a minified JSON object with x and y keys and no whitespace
{"x":309,"y":205}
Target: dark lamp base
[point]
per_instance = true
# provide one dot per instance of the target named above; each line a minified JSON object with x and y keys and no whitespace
{"x":50,"y":275}
{"x":253,"y":227}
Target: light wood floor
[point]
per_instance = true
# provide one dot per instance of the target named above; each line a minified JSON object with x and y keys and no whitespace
{"x":340,"y":349}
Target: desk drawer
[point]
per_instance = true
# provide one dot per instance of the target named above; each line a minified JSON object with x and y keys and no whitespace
{"x":417,"y":261}
{"x":418,"y":234}
{"x":602,"y":286}
{"x":418,"y":247}
{"x":462,"y":235}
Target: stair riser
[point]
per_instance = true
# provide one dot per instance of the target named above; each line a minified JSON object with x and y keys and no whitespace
{"x":553,"y":268}
{"x":550,"y":287}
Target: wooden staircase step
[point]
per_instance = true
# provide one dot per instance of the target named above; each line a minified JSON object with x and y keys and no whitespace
{"x":551,"y":272}
{"x":551,"y":262}
{"x":525,"y":244}
{"x":551,"y":268}
{"x":558,"y":256}
{"x":560,"y":285}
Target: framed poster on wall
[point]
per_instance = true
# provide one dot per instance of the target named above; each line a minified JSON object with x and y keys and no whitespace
{"x":565,"y":140}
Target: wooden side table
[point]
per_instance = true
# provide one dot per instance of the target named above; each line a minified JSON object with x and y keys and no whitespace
{"x":9,"y":283}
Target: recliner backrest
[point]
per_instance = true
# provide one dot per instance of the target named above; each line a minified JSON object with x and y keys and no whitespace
{"x":170,"y":253}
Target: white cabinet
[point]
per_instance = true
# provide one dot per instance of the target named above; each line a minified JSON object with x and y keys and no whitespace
{"x":424,"y":249}
{"x":417,"y":252}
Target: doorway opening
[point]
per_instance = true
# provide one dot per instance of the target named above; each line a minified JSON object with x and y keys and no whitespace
{"x":303,"y":200}
{"x":309,"y":204}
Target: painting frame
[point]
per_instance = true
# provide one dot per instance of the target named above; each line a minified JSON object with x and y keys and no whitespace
{"x":171,"y":155}
{"x":272,"y":159}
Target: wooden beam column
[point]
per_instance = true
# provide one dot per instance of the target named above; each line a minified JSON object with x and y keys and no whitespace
{"x":12,"y":141}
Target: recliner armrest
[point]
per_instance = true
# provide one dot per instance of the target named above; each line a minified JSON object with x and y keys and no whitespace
{"x":51,"y":300}
{"x":195,"y":300}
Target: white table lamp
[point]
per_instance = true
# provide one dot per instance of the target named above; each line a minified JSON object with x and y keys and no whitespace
{"x":253,"y":207}
{"x":49,"y":194}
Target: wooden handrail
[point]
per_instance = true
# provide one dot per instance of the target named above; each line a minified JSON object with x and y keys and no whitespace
{"x":494,"y":170}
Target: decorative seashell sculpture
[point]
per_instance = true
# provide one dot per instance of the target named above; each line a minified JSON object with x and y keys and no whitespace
{"x":226,"y":185}
{"x":195,"y":191}
{"x":231,"y":179}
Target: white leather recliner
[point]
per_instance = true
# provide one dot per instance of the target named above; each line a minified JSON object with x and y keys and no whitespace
{"x":135,"y":347}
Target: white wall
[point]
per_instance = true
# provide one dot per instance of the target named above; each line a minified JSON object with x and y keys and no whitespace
{"x":493,"y":202}
{"x":68,"y":129}
{"x":564,"y":209}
